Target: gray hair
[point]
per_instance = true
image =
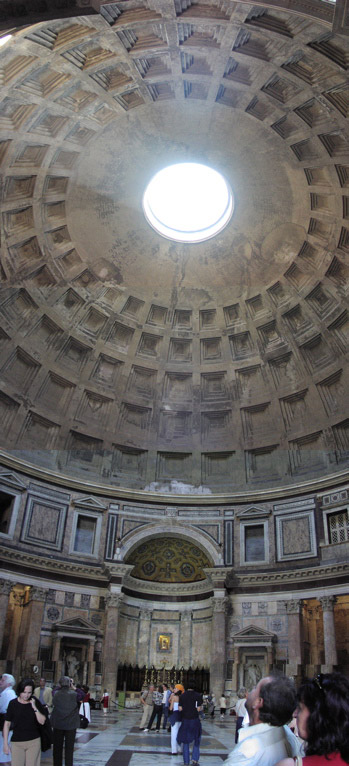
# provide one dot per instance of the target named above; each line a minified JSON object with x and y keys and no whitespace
{"x":10,"y":679}
{"x":242,"y":693}
{"x":64,"y":682}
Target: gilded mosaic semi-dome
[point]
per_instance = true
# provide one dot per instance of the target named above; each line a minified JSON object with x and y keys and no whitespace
{"x":168,"y":560}
{"x":136,"y":362}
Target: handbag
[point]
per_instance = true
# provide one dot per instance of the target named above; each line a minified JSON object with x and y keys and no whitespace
{"x":84,"y":722}
{"x":46,"y":735}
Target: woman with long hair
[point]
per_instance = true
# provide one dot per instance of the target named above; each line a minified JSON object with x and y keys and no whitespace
{"x":322,"y":717}
{"x":25,"y":715}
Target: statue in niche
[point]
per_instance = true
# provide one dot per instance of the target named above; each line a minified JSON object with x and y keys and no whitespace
{"x":72,"y":665}
{"x":252,"y":674}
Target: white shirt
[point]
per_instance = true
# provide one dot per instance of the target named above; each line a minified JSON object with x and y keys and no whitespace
{"x":240,"y":708}
{"x":263,"y":745}
{"x":5,"y":697}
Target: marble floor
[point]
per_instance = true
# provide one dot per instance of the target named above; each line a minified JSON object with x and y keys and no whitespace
{"x":114,"y":739}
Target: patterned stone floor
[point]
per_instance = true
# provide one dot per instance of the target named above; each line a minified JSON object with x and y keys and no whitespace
{"x":115,"y":740}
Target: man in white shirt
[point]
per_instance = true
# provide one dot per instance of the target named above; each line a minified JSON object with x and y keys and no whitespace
{"x":267,"y":739}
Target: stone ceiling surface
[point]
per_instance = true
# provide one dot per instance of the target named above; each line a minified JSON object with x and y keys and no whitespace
{"x":134,"y":361}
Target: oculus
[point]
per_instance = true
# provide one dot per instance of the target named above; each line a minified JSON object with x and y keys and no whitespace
{"x":188,"y":202}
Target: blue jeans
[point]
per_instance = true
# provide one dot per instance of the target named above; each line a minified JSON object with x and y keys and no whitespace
{"x":195,"y":754}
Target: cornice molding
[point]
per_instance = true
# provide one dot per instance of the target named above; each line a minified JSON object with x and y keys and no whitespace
{"x":290,"y":576}
{"x":41,"y":563}
{"x":43,"y":474}
{"x":170,"y":589}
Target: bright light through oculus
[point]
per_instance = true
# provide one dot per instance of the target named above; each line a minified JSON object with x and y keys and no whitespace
{"x":188,"y":202}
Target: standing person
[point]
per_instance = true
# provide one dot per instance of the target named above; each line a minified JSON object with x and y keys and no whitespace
{"x":44,"y":693}
{"x":269,"y":705}
{"x":7,"y":694}
{"x":157,"y":710}
{"x":175,"y":718}
{"x":80,"y":694}
{"x":322,"y":715}
{"x":65,"y":721}
{"x":105,"y":701}
{"x":26,"y":715}
{"x":190,"y":728}
{"x":165,"y":704}
{"x":240,"y":710}
{"x":147,"y":702}
{"x":223,"y":705}
{"x":211,"y":704}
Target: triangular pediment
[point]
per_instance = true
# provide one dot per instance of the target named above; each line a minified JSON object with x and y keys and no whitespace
{"x":92,"y":503}
{"x":253,"y":631}
{"x":253,"y":512}
{"x":76,"y":624}
{"x":11,"y":480}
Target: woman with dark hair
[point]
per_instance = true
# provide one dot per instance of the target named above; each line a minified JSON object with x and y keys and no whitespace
{"x":322,"y":717}
{"x":65,"y":721}
{"x":25,"y":715}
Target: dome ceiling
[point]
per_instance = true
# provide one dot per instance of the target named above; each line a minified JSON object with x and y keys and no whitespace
{"x":168,"y":560}
{"x":135,"y":361}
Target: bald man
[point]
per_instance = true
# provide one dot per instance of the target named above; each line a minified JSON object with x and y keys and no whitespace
{"x":270,"y":706}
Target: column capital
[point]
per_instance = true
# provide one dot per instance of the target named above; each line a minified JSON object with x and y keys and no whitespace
{"x":327,"y":603}
{"x":220,"y":604}
{"x":6,"y":587}
{"x":186,"y":616}
{"x":113,"y":600}
{"x":37,"y":594}
{"x":294,"y":606}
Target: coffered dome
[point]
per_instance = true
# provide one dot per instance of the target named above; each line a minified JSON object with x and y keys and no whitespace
{"x":133,"y":361}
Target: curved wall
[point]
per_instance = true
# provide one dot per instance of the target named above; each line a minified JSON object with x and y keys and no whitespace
{"x":276,"y":592}
{"x":133,"y":361}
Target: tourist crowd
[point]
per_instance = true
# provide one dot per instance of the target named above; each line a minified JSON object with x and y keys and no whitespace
{"x":276,"y":725}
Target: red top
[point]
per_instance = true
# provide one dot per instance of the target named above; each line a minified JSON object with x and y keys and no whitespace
{"x":321,"y":760}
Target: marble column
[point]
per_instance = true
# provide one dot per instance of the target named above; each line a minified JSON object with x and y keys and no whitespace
{"x":5,"y":590}
{"x":314,"y":655}
{"x":235,"y":675}
{"x":218,"y":646}
{"x":143,"y":657}
{"x":56,"y":651}
{"x":185,"y":659}
{"x":16,"y":606}
{"x":270,"y":659}
{"x":327,"y":604}
{"x":35,"y":613}
{"x":90,"y":660}
{"x":295,"y":636}
{"x":110,"y":650}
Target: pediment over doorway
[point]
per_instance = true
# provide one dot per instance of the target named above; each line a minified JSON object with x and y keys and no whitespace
{"x":253,"y":635}
{"x":75,"y":626}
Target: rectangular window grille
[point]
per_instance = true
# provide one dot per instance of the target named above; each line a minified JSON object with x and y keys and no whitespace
{"x":338,"y":525}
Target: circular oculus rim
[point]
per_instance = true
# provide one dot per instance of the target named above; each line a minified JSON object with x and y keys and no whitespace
{"x":188,"y":202}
